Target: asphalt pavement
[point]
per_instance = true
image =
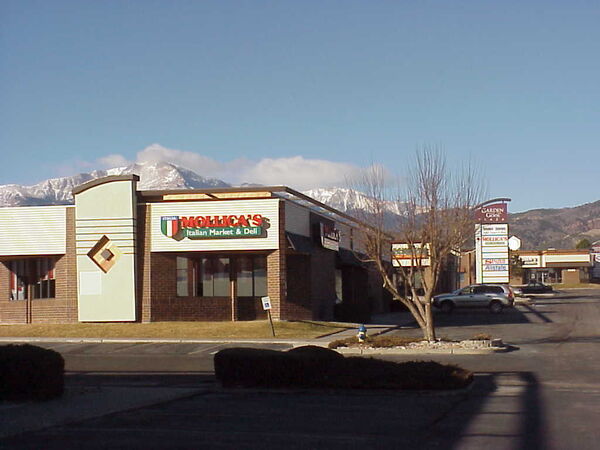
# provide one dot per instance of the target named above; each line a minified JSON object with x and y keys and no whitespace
{"x":544,"y":394}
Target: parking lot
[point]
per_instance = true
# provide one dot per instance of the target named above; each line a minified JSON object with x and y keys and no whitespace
{"x":543,"y":394}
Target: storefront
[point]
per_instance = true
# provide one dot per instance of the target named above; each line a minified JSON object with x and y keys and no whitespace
{"x":119,"y":254}
{"x":556,"y":266}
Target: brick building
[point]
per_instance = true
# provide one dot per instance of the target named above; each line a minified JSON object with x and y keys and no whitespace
{"x":119,"y":255}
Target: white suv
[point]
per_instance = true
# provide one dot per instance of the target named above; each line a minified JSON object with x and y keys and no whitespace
{"x":496,"y":297}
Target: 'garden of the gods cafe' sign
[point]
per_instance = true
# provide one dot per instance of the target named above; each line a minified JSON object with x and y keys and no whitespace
{"x":494,"y":213}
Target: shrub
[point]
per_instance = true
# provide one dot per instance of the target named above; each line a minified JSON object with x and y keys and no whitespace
{"x":368,"y":373}
{"x":315,"y":353}
{"x":481,"y":337}
{"x":256,"y":367}
{"x":28,"y":372}
{"x":319,"y":368}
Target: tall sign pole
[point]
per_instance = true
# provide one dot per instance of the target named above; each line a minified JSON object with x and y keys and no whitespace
{"x":491,"y":241}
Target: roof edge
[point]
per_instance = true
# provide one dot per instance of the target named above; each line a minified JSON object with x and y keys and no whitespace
{"x":99,"y":181}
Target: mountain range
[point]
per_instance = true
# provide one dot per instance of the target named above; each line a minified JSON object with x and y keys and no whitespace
{"x":538,"y":228}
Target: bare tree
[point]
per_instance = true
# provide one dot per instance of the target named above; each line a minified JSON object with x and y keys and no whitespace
{"x":434,"y":220}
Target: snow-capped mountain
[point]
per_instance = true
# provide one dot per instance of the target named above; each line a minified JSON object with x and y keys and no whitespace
{"x":158,"y":176}
{"x":347,"y":200}
{"x":153,"y":175}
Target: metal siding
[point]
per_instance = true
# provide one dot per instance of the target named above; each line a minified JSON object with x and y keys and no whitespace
{"x":267,"y":208}
{"x":33,"y":230}
{"x":121,"y":232}
{"x":297,"y":219}
{"x":345,"y":235}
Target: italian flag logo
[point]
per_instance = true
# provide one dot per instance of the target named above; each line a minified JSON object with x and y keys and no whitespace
{"x":169,"y":225}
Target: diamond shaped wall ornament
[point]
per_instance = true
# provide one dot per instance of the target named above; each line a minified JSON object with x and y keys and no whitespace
{"x":105,"y":254}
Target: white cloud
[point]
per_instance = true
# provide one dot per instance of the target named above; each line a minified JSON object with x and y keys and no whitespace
{"x":113,"y":160}
{"x":190,"y":160}
{"x":295,"y":171}
{"x":301,"y":173}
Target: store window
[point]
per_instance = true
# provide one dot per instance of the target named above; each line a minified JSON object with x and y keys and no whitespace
{"x":251,"y":276}
{"x":183,"y":277}
{"x":37,"y":273}
{"x":214,"y":277}
{"x":211,"y":276}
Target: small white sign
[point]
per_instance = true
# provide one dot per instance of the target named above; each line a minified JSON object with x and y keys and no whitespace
{"x":266,"y":302}
{"x":90,"y":283}
{"x":514,"y":243}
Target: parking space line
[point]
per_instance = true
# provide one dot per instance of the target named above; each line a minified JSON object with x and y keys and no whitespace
{"x":207,"y":350}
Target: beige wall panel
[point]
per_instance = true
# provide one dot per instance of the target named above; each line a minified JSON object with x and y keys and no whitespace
{"x":33,"y":230}
{"x":113,"y":200}
{"x":267,"y":208}
{"x":106,"y":209}
{"x":115,"y":301}
{"x":297,"y":219}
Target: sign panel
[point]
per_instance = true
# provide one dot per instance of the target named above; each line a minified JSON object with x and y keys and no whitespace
{"x":330,"y":236}
{"x":514,"y":243}
{"x":491,"y":253}
{"x":224,"y":226}
{"x":531,"y":260}
{"x":403,"y":255}
{"x":495,"y":213}
{"x":266,"y":303}
{"x":215,"y":225}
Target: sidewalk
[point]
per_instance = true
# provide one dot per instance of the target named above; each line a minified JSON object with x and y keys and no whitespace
{"x":81,"y":403}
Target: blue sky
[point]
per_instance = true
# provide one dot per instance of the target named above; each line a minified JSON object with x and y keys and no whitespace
{"x":299,"y":92}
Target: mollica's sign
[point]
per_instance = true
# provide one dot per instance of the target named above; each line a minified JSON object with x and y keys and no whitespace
{"x":214,"y":227}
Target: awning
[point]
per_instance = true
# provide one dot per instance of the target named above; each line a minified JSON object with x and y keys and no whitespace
{"x":348,"y":258}
{"x":299,"y":243}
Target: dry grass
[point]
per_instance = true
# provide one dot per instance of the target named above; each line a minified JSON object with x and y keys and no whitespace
{"x":376,"y":341}
{"x":174,"y":330}
{"x":481,"y":337}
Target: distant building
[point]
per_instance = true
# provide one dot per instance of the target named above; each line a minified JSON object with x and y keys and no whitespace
{"x":556,"y":266}
{"x":404,"y":258}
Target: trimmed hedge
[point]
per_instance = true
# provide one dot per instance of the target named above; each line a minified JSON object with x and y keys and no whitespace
{"x":28,"y":372}
{"x":314,"y":367}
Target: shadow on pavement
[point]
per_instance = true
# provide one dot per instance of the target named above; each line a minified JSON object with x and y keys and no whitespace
{"x":502,"y":410}
{"x":133,"y":379}
{"x":467,"y":317}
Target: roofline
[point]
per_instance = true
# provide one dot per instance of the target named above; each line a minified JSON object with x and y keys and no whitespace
{"x":272,"y":189}
{"x":99,"y":181}
{"x":155,"y":193}
{"x":494,"y":200}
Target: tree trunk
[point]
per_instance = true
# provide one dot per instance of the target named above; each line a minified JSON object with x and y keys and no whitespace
{"x":429,"y":326}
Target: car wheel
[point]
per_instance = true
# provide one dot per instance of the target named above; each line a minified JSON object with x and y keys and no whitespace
{"x":447,"y":307}
{"x":496,"y":307}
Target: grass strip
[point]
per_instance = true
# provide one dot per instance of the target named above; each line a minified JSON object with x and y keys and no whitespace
{"x":258,"y":329}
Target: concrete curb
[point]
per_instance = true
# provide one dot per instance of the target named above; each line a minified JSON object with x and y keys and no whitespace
{"x":408,"y":351}
{"x":9,"y":340}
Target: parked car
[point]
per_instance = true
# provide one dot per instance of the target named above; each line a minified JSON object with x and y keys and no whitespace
{"x":535,"y":287}
{"x":495,"y":297}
